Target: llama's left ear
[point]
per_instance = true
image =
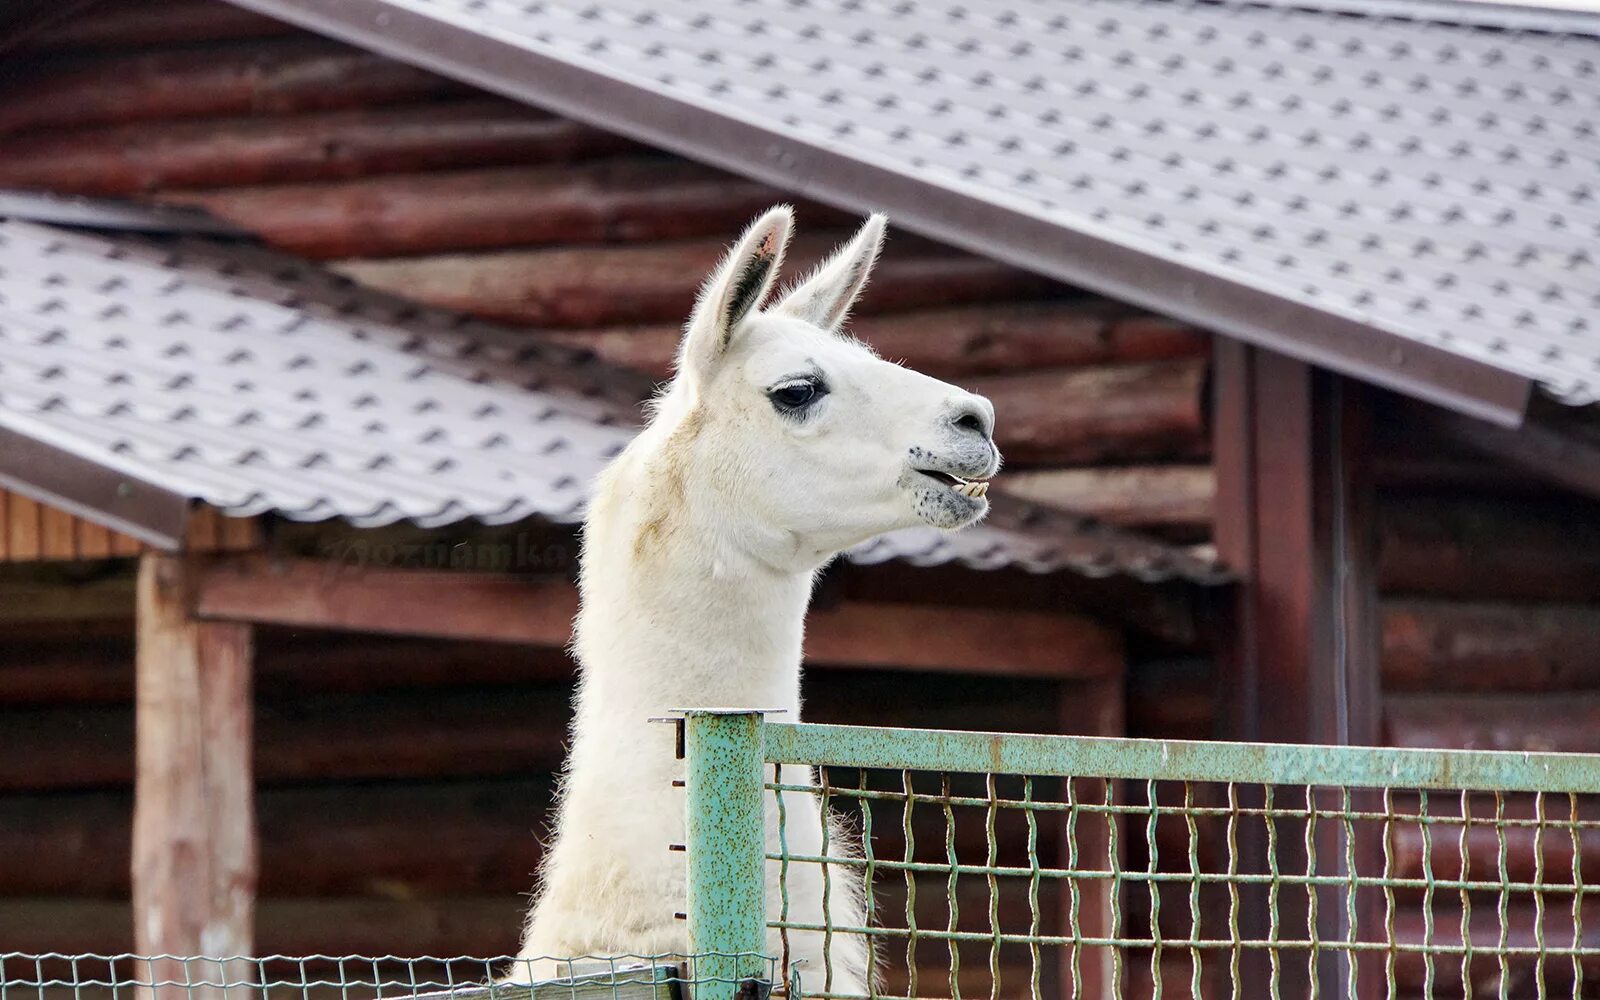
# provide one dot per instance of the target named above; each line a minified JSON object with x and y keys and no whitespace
{"x":824,"y":298}
{"x":735,"y":289}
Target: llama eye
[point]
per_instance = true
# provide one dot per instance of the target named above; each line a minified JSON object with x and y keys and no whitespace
{"x":795,"y":395}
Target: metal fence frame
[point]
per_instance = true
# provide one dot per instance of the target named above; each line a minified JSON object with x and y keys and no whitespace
{"x":728,"y":751}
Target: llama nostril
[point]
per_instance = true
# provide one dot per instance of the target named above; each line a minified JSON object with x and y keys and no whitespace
{"x":971,"y":420}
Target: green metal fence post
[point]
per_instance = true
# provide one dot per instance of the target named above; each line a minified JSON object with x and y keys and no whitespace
{"x":726,"y":846}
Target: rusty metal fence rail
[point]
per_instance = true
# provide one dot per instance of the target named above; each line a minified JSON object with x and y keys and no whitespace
{"x":1037,"y":866}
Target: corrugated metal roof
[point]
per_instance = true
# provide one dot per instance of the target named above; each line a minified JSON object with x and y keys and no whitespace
{"x":1401,"y":197}
{"x":260,"y":383}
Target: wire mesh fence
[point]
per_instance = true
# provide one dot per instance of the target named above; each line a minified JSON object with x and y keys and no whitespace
{"x":1006,"y":866}
{"x":982,"y":865}
{"x":353,"y":977}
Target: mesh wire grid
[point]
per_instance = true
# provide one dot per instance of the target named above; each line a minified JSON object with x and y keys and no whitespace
{"x":347,"y":977}
{"x":1430,"y":875}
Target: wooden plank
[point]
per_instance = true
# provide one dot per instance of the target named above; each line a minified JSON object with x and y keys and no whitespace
{"x":499,"y":608}
{"x":93,"y":540}
{"x":5,"y":526}
{"x":57,"y":538}
{"x":23,"y":527}
{"x":314,"y":594}
{"x":240,"y":534}
{"x":194,"y":856}
{"x":201,"y":529}
{"x":125,"y":545}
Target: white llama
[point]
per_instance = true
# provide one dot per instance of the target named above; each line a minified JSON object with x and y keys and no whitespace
{"x":780,"y":442}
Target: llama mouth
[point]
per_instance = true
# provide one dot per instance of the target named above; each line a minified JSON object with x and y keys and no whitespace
{"x":973,"y":489}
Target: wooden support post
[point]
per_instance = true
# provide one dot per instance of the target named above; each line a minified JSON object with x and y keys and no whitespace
{"x":1294,"y":518}
{"x":194,"y":832}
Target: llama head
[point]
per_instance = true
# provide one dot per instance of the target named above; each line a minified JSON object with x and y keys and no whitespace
{"x":808,"y":440}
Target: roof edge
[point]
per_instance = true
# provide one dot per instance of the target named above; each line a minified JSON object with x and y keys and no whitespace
{"x":84,"y":488}
{"x":1513,"y":15}
{"x":1224,"y":305}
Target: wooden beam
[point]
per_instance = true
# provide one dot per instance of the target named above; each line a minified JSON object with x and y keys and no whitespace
{"x":1294,"y":516}
{"x":194,"y":837}
{"x":485,"y":606}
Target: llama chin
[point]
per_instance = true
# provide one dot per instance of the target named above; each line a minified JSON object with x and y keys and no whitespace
{"x":779,"y":443}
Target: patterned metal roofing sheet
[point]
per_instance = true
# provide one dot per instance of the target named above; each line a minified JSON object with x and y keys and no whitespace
{"x":259,"y":383}
{"x":1402,"y":197}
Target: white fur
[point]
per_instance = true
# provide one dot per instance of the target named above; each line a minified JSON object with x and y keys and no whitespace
{"x":699,"y":554}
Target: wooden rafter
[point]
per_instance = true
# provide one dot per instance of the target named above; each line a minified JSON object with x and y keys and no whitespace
{"x":485,"y":606}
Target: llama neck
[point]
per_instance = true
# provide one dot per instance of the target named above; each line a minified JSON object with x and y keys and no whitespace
{"x":682,"y":618}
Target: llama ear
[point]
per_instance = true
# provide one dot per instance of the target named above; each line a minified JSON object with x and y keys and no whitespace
{"x":735,"y":289}
{"x":825,"y":296}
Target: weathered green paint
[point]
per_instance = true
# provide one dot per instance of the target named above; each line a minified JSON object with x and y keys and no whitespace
{"x":726,"y":847}
{"x":1180,"y":760}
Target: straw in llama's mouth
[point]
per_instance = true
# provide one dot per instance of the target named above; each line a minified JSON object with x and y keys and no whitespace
{"x":972,"y":488}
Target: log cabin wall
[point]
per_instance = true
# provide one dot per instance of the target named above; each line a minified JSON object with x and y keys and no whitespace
{"x":1490,"y":583}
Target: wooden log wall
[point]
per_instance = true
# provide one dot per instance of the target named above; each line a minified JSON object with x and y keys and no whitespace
{"x":425,"y":187}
